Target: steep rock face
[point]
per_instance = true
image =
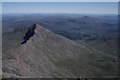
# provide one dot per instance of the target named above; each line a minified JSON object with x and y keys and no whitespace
{"x":29,"y":34}
{"x":49,"y":55}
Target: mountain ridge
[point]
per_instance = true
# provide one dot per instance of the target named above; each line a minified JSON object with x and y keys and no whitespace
{"x":48,"y":55}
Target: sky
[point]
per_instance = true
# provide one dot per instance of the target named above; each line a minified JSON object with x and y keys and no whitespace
{"x":60,"y":0}
{"x":61,"y":7}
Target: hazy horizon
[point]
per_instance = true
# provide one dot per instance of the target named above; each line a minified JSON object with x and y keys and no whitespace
{"x":60,"y":7}
{"x":83,"y":14}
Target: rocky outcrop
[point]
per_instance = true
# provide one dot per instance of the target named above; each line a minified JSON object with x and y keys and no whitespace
{"x":29,"y":34}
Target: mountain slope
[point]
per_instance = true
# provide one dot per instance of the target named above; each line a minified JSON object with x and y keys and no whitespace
{"x":45,"y":54}
{"x":89,"y":29}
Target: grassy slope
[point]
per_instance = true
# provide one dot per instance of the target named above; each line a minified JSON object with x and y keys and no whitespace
{"x":108,"y":46}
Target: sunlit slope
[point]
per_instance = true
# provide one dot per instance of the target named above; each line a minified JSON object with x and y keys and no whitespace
{"x":48,"y":55}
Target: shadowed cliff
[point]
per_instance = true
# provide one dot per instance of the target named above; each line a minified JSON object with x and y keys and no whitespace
{"x":29,"y":34}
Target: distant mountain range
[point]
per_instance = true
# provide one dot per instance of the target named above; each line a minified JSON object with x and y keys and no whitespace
{"x":38,"y":52}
